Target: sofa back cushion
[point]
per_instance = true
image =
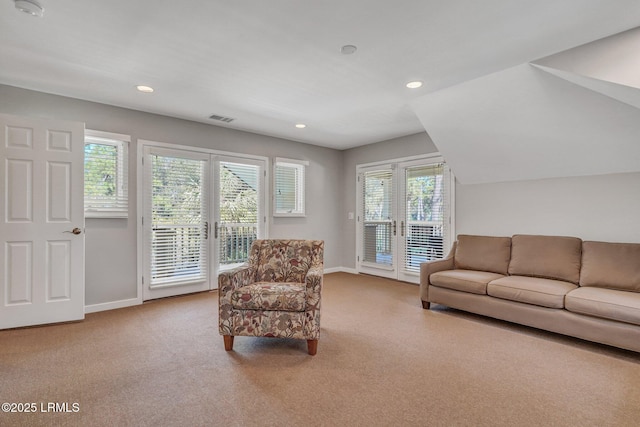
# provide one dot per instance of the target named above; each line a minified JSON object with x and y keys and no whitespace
{"x":550,"y":257}
{"x":611,"y":265}
{"x":483,"y":253}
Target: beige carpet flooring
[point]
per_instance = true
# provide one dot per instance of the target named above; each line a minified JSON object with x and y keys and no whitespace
{"x":382,"y":360}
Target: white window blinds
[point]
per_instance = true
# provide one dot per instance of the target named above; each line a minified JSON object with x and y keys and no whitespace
{"x":289,"y":187}
{"x":238,"y":226}
{"x":106,"y":192}
{"x":178,"y":220}
{"x":378,"y":199}
{"x":426,"y":215}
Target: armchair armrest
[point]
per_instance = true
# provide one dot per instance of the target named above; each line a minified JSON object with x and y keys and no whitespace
{"x":228,"y":281}
{"x":313,"y":281}
{"x":430,"y":267}
{"x":233,"y":279}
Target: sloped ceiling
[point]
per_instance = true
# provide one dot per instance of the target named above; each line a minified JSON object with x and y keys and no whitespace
{"x":573,"y":113}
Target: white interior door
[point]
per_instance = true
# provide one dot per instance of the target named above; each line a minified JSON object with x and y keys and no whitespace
{"x":176,"y":224}
{"x":42,"y":221}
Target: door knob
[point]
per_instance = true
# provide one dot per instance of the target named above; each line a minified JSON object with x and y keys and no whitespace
{"x":74,"y":231}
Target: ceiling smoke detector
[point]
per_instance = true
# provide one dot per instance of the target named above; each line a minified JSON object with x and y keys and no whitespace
{"x":30,"y":7}
{"x":348,"y":49}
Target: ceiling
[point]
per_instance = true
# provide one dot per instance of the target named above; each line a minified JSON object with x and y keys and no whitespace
{"x":574,"y":113}
{"x":272,"y":64}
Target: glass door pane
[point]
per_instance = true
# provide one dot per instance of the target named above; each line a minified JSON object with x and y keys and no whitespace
{"x":176,"y":223}
{"x":422,"y":227}
{"x":239,"y":211}
{"x":378,"y":219}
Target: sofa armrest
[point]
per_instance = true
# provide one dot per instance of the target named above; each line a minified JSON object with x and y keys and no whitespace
{"x":430,"y":267}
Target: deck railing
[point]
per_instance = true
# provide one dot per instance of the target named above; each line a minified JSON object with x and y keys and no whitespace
{"x":235,"y":241}
{"x":179,"y":251}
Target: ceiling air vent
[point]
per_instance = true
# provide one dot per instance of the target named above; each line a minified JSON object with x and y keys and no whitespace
{"x":221,"y":118}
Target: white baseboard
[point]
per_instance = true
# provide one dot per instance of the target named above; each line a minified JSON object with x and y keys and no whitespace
{"x":94,"y":308}
{"x":340,"y":270}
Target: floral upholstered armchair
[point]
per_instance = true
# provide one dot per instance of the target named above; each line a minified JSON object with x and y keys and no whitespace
{"x":275,"y":294}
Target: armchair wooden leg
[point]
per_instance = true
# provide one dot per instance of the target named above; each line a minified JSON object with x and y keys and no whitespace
{"x":426,"y":305}
{"x":228,"y":342}
{"x":312,"y":345}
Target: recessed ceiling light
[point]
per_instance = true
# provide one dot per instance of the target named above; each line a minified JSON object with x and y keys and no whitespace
{"x":30,"y":7}
{"x":414,"y":85}
{"x":145,"y":89}
{"x":348,"y":49}
{"x":301,"y":125}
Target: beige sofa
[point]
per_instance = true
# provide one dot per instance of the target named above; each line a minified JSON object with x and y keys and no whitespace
{"x":589,"y":290}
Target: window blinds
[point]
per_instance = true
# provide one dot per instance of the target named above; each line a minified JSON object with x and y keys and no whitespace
{"x":105,"y":177}
{"x":238,"y":226}
{"x":289,"y":188}
{"x":426,"y":220}
{"x":378,"y":199}
{"x":178,"y":214}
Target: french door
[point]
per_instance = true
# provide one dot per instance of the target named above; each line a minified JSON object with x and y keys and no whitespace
{"x":404,"y":217}
{"x":201,"y":212}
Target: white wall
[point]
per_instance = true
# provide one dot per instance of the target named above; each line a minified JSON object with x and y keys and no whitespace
{"x":604,"y":207}
{"x":111,"y":244}
{"x":599,"y":207}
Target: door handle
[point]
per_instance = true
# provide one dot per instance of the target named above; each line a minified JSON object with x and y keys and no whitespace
{"x":206,"y":230}
{"x":394,"y":227}
{"x":402,"y":228}
{"x":75,"y":231}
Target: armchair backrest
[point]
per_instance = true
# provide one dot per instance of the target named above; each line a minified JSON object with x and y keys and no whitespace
{"x":284,"y":260}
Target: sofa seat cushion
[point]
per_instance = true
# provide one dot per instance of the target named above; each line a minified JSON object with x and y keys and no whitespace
{"x":622,"y":306}
{"x":282,"y":296}
{"x":531,"y":290}
{"x":471,"y":281}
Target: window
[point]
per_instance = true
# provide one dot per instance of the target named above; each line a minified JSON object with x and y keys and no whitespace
{"x":289,"y":187}
{"x":106,"y":192}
